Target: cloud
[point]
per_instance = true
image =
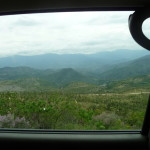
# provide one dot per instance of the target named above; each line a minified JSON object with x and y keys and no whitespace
{"x":25,"y":21}
{"x":74,"y":32}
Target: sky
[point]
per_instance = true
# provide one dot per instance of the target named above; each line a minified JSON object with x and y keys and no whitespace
{"x":65,"y":33}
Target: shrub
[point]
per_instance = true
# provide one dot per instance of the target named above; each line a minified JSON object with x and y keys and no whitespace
{"x":107,"y":118}
{"x":9,"y":121}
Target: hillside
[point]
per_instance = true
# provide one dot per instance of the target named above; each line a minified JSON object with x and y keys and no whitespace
{"x":133,"y":85}
{"x":35,"y":78}
{"x":66,"y":76}
{"x":118,"y":77}
{"x":133,"y":68}
{"x":12,"y":73}
{"x":66,"y":80}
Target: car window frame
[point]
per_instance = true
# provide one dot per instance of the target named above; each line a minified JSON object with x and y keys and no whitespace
{"x":9,"y":135}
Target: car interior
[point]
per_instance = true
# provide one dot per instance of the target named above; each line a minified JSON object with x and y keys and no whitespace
{"x":99,"y":139}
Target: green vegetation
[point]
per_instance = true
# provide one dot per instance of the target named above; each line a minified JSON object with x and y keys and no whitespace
{"x":68,"y":99}
{"x":134,"y":68}
{"x":58,"y":110}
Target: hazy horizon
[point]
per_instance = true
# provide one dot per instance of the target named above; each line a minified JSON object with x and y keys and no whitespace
{"x":80,"y":53}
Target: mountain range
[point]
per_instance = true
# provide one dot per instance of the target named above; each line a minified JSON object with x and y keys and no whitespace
{"x":98,"y":62}
{"x":76,"y":72}
{"x":137,"y":67}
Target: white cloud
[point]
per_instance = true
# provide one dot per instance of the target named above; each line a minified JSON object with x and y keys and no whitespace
{"x":74,"y":32}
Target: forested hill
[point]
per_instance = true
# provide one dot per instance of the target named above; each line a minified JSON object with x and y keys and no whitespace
{"x":11,"y":79}
{"x":138,"y":67}
{"x":134,"y":68}
{"x":49,"y":77}
{"x":96,"y":76}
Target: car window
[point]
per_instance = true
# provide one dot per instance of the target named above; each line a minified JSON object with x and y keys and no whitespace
{"x":145,"y":28}
{"x":72,"y":71}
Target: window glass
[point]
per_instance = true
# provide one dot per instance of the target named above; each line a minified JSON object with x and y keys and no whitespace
{"x":145,"y":28}
{"x":72,"y":71}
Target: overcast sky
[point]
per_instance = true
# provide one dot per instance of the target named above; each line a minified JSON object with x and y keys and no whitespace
{"x":74,"y":32}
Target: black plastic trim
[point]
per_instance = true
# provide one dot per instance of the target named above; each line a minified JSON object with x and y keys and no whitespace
{"x":71,"y":10}
{"x":101,"y":141}
{"x":47,"y":131}
{"x":146,"y":122}
{"x":135,"y":25}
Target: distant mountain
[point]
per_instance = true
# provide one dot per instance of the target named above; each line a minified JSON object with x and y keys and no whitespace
{"x":59,"y":78}
{"x":51,"y":71}
{"x":120,"y":56}
{"x":70,"y":80}
{"x":12,"y":73}
{"x":66,"y":76}
{"x":88,"y":63}
{"x":137,"y":67}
